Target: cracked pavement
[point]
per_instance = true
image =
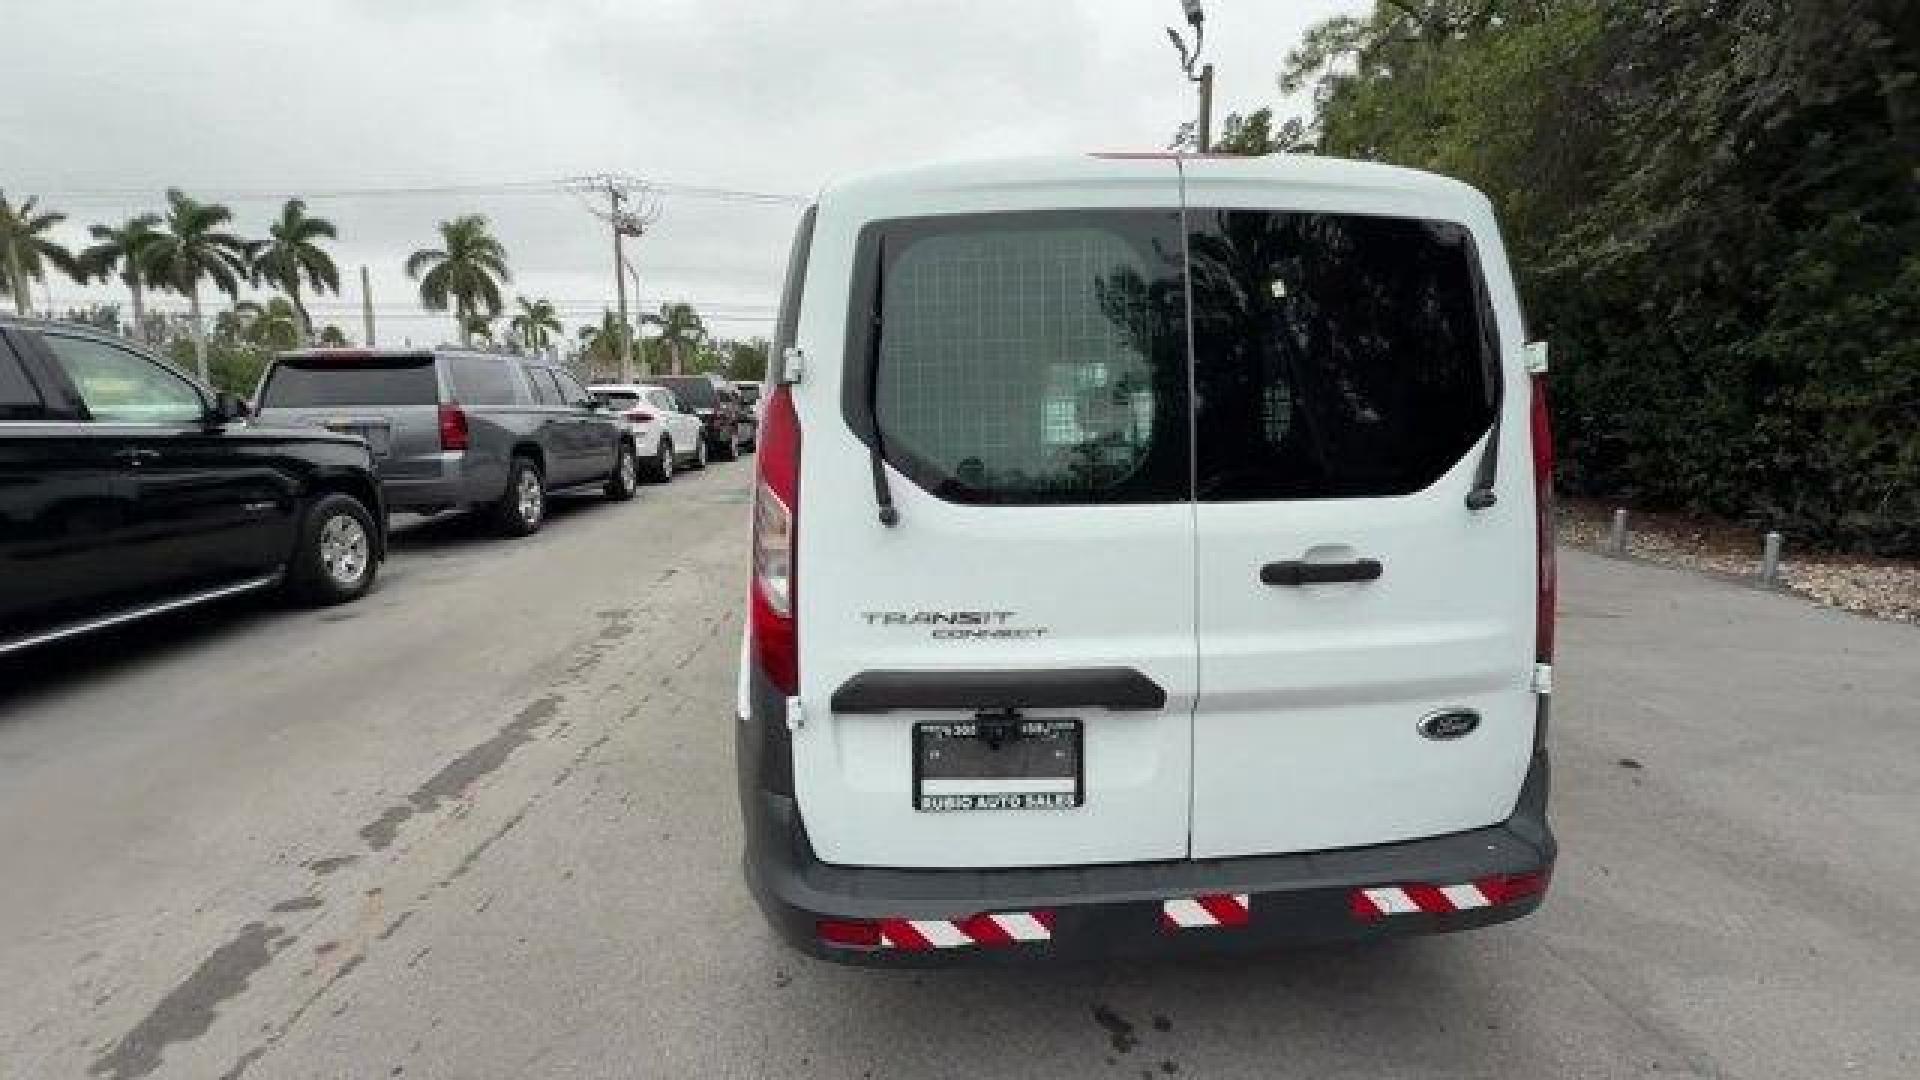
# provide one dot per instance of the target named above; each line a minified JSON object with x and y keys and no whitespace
{"x":483,"y":824}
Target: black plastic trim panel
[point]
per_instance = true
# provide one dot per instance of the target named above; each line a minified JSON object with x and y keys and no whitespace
{"x":1121,"y":689}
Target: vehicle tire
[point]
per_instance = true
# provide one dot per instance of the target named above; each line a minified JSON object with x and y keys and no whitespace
{"x":335,"y":561}
{"x":699,"y":454}
{"x":523,"y":508}
{"x":729,"y":449}
{"x":625,"y":481}
{"x":660,"y":469}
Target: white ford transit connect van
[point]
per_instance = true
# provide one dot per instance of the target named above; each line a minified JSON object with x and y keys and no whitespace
{"x":1151,"y":553}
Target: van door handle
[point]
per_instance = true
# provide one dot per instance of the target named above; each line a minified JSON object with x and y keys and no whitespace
{"x":134,"y":455}
{"x":1301,"y":572}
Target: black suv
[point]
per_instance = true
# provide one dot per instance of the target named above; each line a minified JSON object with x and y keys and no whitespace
{"x":724,"y":416}
{"x":128,"y":489}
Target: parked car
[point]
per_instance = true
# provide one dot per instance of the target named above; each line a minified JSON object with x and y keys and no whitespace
{"x":128,"y":489}
{"x":459,"y":430}
{"x":1170,"y":569}
{"x":665,"y":432}
{"x":750,"y":394}
{"x":729,"y":427}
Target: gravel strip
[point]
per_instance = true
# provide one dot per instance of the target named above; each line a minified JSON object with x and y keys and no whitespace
{"x":1882,"y":588}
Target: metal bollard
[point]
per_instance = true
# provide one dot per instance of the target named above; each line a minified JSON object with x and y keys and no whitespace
{"x":1770,"y":560}
{"x":1617,"y":543}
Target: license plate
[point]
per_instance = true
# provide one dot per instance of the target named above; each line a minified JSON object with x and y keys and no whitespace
{"x":1015,"y":764}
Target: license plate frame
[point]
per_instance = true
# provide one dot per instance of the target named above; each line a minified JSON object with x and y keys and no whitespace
{"x":1044,"y":767}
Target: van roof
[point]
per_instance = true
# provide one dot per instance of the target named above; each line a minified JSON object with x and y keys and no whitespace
{"x":1307,"y":172}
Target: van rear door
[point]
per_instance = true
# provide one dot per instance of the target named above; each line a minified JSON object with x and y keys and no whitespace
{"x":1023,"y":638}
{"x":1349,"y":360}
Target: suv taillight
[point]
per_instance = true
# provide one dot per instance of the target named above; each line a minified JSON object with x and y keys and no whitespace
{"x":775,"y":633}
{"x":1542,"y":424}
{"x":453,"y":427}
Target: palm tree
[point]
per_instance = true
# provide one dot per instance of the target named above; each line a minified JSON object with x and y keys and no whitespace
{"x":478,"y":325}
{"x":292,"y":252}
{"x":600,"y":346}
{"x":536,"y":323}
{"x":466,"y":271}
{"x":122,"y":251}
{"x":274,"y":326}
{"x":681,"y":330}
{"x":25,"y":249}
{"x":193,"y":248}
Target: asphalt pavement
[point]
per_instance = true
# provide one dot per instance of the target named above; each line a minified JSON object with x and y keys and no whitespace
{"x":482,"y":824}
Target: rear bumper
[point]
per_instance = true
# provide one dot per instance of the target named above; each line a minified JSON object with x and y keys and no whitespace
{"x":1138,"y":909}
{"x":446,"y":481}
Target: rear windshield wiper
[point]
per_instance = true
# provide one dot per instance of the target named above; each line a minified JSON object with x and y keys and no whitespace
{"x":1481,"y":495}
{"x":877,"y":453}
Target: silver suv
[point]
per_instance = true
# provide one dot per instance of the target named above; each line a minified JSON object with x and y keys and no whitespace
{"x":458,"y":430}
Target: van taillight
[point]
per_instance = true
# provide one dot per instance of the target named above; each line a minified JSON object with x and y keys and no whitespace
{"x":453,"y":427}
{"x":776,"y":529}
{"x":1542,"y":424}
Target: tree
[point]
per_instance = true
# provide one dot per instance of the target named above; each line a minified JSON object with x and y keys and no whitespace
{"x":681,"y":330}
{"x":1714,"y":211}
{"x":194,"y":248}
{"x":477,"y":327}
{"x":464,"y":273}
{"x":746,"y":359}
{"x":332,"y":337}
{"x":274,"y":326}
{"x":600,"y":345}
{"x":1252,"y":135}
{"x":292,"y":253}
{"x":121,"y":251}
{"x":536,"y":324}
{"x":25,"y":249}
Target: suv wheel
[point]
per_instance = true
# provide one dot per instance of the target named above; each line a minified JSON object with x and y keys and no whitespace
{"x":625,"y":480}
{"x":699,"y":453}
{"x":335,"y":561}
{"x":660,"y":469}
{"x":523,"y":508}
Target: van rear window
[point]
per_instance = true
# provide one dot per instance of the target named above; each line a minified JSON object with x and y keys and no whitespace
{"x":1025,"y":357}
{"x":1335,"y":356}
{"x":370,"y":382}
{"x":1043,"y":357}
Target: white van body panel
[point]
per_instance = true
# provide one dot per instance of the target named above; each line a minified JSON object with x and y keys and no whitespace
{"x":1305,"y":736}
{"x":1083,"y":586}
{"x":1291,"y":713}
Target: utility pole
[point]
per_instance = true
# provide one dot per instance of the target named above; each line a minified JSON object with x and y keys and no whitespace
{"x":632,"y":208}
{"x":366,"y":303}
{"x":1196,"y":18}
{"x":1206,"y":108}
{"x":614,"y":195}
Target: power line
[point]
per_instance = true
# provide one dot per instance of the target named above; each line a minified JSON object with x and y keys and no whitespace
{"x":493,"y":188}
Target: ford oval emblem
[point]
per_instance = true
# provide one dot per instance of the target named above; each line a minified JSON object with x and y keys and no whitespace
{"x":1449,"y":724}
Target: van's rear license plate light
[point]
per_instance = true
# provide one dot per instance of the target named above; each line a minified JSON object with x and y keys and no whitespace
{"x":1015,"y":763}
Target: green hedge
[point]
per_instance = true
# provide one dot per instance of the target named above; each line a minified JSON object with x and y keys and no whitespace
{"x":1715,"y":212}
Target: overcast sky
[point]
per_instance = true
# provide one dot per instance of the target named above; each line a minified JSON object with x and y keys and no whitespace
{"x":250,"y":101}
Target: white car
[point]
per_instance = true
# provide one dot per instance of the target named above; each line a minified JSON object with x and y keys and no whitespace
{"x":666,"y":435}
{"x":1151,"y":554}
